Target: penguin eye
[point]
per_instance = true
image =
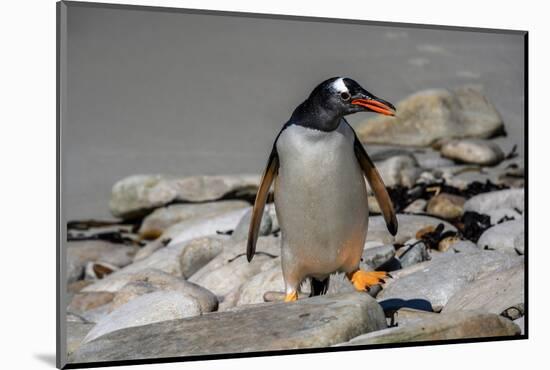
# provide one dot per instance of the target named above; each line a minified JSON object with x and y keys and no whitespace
{"x":345,"y":96}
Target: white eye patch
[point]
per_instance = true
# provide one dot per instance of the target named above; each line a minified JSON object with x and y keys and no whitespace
{"x":340,"y":86}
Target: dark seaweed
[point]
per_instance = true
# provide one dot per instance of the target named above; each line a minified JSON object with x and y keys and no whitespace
{"x":431,"y":239}
{"x":108,"y":236}
{"x":402,"y":196}
{"x":473,"y":224}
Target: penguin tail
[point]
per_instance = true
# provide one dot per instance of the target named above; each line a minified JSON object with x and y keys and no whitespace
{"x":319,"y":287}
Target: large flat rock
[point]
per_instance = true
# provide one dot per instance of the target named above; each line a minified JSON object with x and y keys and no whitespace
{"x":494,"y":293}
{"x":197,"y":228}
{"x":502,"y":237}
{"x":436,"y":281}
{"x":137,"y":195}
{"x":429,"y":115}
{"x":315,"y":322}
{"x":456,"y":325}
{"x":154,"y":224}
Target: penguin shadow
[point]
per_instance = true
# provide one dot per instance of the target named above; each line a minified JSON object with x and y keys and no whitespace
{"x":392,"y":305}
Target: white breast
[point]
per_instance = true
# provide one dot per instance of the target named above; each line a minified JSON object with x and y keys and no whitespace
{"x":321,"y":200}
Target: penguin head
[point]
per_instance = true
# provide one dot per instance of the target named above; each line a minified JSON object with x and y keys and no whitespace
{"x":345,"y":96}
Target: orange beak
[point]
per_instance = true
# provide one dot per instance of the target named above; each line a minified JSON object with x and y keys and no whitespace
{"x":376,"y":106}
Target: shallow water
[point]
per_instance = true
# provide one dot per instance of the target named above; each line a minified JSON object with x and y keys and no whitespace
{"x":155,"y":92}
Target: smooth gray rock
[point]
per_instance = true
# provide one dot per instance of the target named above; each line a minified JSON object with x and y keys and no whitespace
{"x":93,"y":315}
{"x":253,"y":290}
{"x":446,"y":243}
{"x":519,"y":243}
{"x":376,"y":256}
{"x":315,"y":322}
{"x":418,"y":206}
{"x":399,"y":170}
{"x":76,"y":332}
{"x":165,"y":259}
{"x":501,"y":214}
{"x":241,"y":230}
{"x":462,"y":175}
{"x":404,"y":317}
{"x":198,"y":253}
{"x":439,"y":279}
{"x":379,"y":153}
{"x":494,"y":293}
{"x":137,"y":195}
{"x":473,"y":151}
{"x":408,"y":226}
{"x":79,"y":253}
{"x":429,"y":115}
{"x":208,"y":226}
{"x":447,"y":206}
{"x":146,"y":309}
{"x":150,"y":248}
{"x":270,"y":208}
{"x":463,"y":246}
{"x":85,"y":301}
{"x":161,"y":218}
{"x":130,"y":285}
{"x":230,"y":269}
{"x":431,"y":159}
{"x":502,"y":199}
{"x":414,"y":253}
{"x":502,"y":236}
{"x":456,"y":325}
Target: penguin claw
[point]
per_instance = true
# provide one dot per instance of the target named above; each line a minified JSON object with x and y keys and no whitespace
{"x":363,"y":280}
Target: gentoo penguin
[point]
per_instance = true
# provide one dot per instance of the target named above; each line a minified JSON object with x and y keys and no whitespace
{"x":317,"y":163}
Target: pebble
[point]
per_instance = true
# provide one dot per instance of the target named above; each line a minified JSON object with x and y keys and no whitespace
{"x":473,"y":151}
{"x":241,"y":230}
{"x":501,"y":199}
{"x":399,"y":170}
{"x":198,"y":253}
{"x":417,"y":206}
{"x":79,"y":253}
{"x":447,"y":206}
{"x":414,"y":252}
{"x":146,"y":309}
{"x":502,"y":237}
{"x":126,"y":287}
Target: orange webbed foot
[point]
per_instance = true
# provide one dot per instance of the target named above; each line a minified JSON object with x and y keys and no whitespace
{"x":291,"y":297}
{"x":363,"y":280}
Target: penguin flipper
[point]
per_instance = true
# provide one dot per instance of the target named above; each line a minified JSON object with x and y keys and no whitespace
{"x":259,"y":204}
{"x":377,"y":185}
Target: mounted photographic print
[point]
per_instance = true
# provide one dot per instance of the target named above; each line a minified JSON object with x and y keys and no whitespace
{"x":235,"y":184}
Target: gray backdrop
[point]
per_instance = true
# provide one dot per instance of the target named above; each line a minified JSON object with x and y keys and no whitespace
{"x":183,"y":94}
